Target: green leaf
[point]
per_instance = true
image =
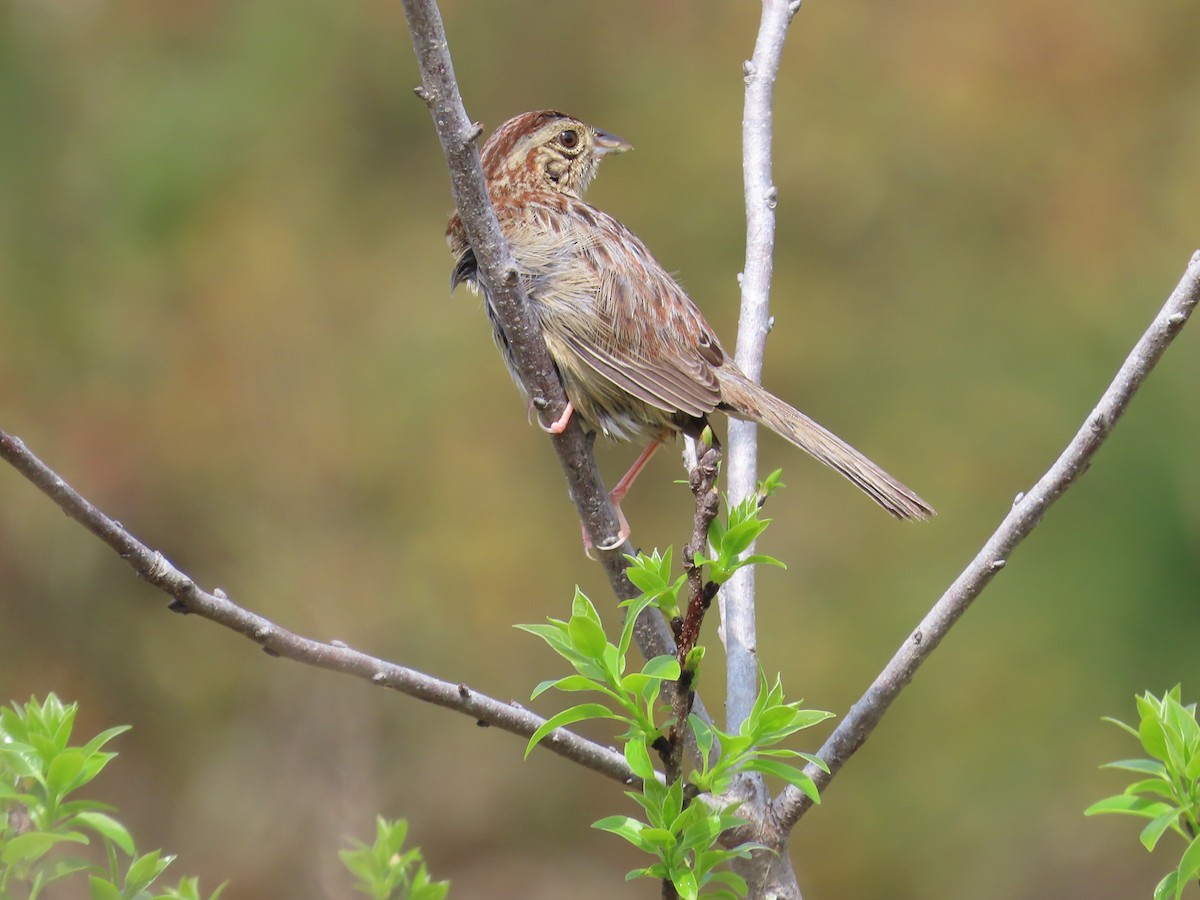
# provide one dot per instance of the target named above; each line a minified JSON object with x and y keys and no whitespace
{"x":64,"y":769}
{"x":816,"y":761}
{"x":772,"y":484}
{"x":1152,"y":832}
{"x":1153,"y":738}
{"x":634,"y":608}
{"x":144,"y":869}
{"x":664,"y":667}
{"x":704,"y":734}
{"x":554,"y":633}
{"x":568,"y":683}
{"x":1129,"y":728}
{"x":587,"y":637}
{"x":35,"y":844}
{"x":657,"y":838}
{"x":626,"y":827}
{"x":685,"y":884}
{"x":758,"y":559}
{"x":1169,"y":887}
{"x":103,"y":890}
{"x":650,"y":574}
{"x":1123,"y":803}
{"x":741,"y":535}
{"x":734,"y":880}
{"x":23,"y":760}
{"x":1144,"y":766}
{"x":716,"y":532}
{"x":614,"y":663}
{"x":66,"y":866}
{"x":93,"y":767}
{"x":701,"y":829}
{"x":1155,"y":786}
{"x":1189,"y":863}
{"x":638,"y":757}
{"x":103,"y":738}
{"x":107,"y":827}
{"x":583,"y":608}
{"x":569,"y":717}
{"x":790,"y":774}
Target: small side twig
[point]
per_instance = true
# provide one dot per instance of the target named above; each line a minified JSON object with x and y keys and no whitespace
{"x":216,"y":606}
{"x":1025,"y":515}
{"x":703,"y":482}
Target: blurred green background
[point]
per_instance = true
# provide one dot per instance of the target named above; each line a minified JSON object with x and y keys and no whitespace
{"x":224,"y":318}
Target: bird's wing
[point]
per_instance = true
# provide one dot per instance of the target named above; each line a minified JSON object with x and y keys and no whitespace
{"x":643,"y":334}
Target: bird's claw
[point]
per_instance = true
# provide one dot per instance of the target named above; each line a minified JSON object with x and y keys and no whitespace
{"x":612,"y":543}
{"x":559,"y":425}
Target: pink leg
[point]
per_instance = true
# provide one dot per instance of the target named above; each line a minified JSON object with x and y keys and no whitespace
{"x":559,"y":425}
{"x":617,"y":494}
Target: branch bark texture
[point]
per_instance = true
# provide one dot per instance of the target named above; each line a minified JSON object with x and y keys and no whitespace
{"x":215,"y":606}
{"x":1026,"y":513}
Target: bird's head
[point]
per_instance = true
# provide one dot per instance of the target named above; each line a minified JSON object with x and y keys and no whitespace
{"x":547,"y":151}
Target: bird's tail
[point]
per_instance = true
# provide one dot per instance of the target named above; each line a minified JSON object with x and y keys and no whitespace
{"x":745,"y":399}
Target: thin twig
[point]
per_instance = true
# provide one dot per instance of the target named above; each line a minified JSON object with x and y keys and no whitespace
{"x":276,"y":641}
{"x":1026,"y":513}
{"x":703,"y":482}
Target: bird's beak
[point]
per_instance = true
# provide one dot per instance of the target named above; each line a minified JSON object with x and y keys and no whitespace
{"x":609,"y":143}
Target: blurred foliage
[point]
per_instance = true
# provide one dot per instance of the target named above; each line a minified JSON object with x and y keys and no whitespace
{"x":223,"y":316}
{"x":50,"y":846}
{"x":1167,"y":788}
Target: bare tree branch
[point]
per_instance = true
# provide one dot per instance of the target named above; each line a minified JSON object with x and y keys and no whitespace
{"x":498,"y":270}
{"x":276,"y":641}
{"x":1026,"y":513}
{"x":458,"y":134}
{"x":737,"y":596}
{"x":769,"y":874}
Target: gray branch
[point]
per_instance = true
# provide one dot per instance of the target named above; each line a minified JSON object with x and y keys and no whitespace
{"x":276,"y":641}
{"x":738,"y":613}
{"x":1026,"y":513}
{"x":769,"y":874}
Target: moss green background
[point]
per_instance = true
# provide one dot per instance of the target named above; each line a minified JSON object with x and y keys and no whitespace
{"x":224,"y":318}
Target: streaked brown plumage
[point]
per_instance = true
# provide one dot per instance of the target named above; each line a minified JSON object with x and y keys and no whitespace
{"x":635,"y":355}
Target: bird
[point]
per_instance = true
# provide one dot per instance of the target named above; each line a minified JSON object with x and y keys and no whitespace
{"x":636,"y":357}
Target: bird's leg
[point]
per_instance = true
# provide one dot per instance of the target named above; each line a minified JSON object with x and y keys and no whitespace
{"x":617,"y":494}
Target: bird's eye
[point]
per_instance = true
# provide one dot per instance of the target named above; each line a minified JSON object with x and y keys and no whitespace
{"x":569,"y":139}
